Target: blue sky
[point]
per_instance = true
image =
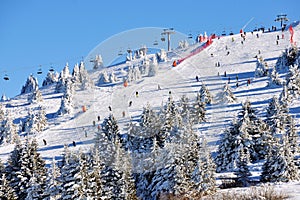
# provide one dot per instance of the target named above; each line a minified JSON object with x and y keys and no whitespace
{"x":41,"y":32}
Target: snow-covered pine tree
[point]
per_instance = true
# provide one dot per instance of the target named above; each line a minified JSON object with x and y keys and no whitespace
{"x":103,"y":78}
{"x":6,"y":191}
{"x":35,"y":97}
{"x":204,"y":174}
{"x":66,"y":106}
{"x":69,"y":167}
{"x":30,"y":85}
{"x":65,"y":73}
{"x":291,"y":135}
{"x":95,"y":174}
{"x":288,"y":58}
{"x":110,"y":128}
{"x":185,"y":108}
{"x":205,"y":95}
{"x":13,"y":167}
{"x":162,"y":55}
{"x":53,"y":186}
{"x":226,"y":96}
{"x":262,"y":68}
{"x":112,"y":77}
{"x":293,"y":81}
{"x":153,"y":68}
{"x":198,"y":110}
{"x":31,"y":165}
{"x":274,"y":78}
{"x":84,"y":78}
{"x":36,"y":122}
{"x":51,"y":78}
{"x":75,"y":74}
{"x":242,"y":172}
{"x":280,"y":165}
{"x":149,"y":123}
{"x":172,"y":121}
{"x":285,"y":97}
{"x":8,"y":130}
{"x":4,"y":98}
{"x":98,"y":62}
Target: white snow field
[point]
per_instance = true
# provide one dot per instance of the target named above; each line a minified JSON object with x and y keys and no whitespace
{"x":179,"y":80}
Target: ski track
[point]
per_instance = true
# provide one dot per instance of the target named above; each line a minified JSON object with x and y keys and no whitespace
{"x":179,"y":80}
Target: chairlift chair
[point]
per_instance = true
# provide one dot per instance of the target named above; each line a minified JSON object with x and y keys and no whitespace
{"x":155,"y":43}
{"x":39,"y":71}
{"x":190,"y":36}
{"x":6,"y":77}
{"x":51,"y":69}
{"x":120,"y":53}
{"x":223,"y":33}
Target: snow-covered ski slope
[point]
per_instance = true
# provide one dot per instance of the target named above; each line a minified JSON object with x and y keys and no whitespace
{"x":179,"y":80}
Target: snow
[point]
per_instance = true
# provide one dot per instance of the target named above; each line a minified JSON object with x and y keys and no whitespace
{"x":179,"y":80}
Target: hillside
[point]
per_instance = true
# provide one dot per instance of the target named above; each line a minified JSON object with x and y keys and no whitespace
{"x":237,"y":58}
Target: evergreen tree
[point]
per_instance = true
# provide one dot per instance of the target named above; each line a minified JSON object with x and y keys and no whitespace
{"x":110,"y":128}
{"x":275,"y":78}
{"x":50,"y":79}
{"x":226,"y":95}
{"x":280,"y":165}
{"x":13,"y":167}
{"x":292,"y":135}
{"x":293,"y":81}
{"x":243,"y":171}
{"x":112,"y":77}
{"x":204,"y":173}
{"x":53,"y":188}
{"x":6,"y":191}
{"x":8,"y":130}
{"x":66,"y":106}
{"x":84,"y":79}
{"x":69,"y":169}
{"x":261,"y":67}
{"x":35,"y":97}
{"x":30,"y":85}
{"x":103,"y":78}
{"x":95,"y":176}
{"x":153,"y":68}
{"x":205,"y":95}
{"x":198,"y":111}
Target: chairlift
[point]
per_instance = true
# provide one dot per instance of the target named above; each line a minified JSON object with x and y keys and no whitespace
{"x":231,"y":33}
{"x":51,"y":69}
{"x":163,"y":39}
{"x":223,"y":33}
{"x":120,"y":53}
{"x":6,"y":77}
{"x":155,"y":43}
{"x":190,"y":36}
{"x":39,"y":71}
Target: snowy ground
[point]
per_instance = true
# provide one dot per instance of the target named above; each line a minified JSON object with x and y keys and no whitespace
{"x":180,"y":81}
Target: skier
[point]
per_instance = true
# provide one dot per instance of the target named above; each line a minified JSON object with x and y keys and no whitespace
{"x":74,"y":143}
{"x":137,"y":94}
{"x":170,"y":92}
{"x":109,"y":108}
{"x":237,"y":84}
{"x":259,"y":52}
{"x":98,"y":118}
{"x":276,"y":42}
{"x":228,"y":53}
{"x":277,"y":37}
{"x":99,"y":127}
{"x":197,"y":78}
{"x":228,"y":79}
{"x":158,"y":87}
{"x":225,"y":74}
{"x":123,"y":113}
{"x":248,"y":82}
{"x":257,"y":36}
{"x":94,"y":123}
{"x":130,"y":103}
{"x":45,"y":142}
